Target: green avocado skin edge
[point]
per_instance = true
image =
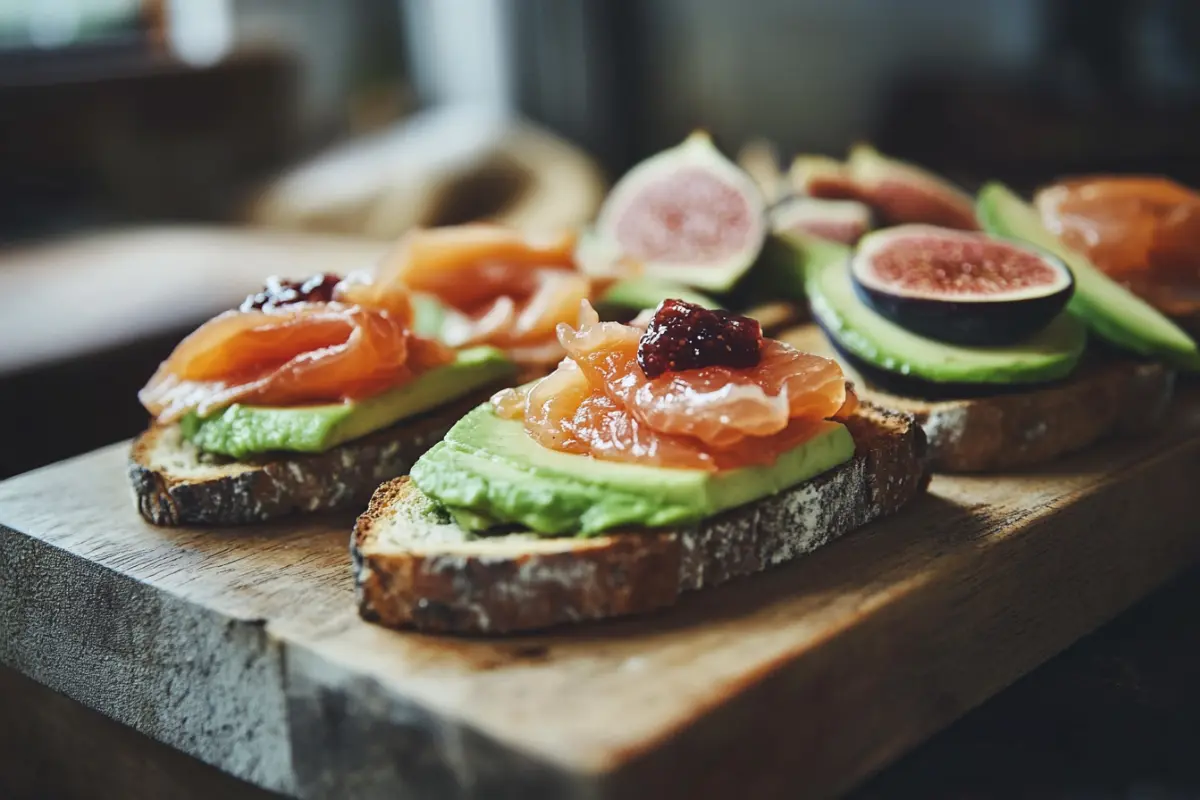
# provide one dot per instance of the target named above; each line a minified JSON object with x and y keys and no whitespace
{"x":239,"y":431}
{"x":1111,"y":311}
{"x":1049,"y":355}
{"x":489,"y":471}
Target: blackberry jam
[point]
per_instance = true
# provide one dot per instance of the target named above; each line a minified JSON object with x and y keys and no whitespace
{"x":277,"y":292}
{"x":685,"y":336}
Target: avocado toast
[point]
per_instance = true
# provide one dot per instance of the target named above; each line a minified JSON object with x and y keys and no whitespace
{"x":1027,"y":386}
{"x":311,"y":393}
{"x":619,"y":481}
{"x":251,"y":463}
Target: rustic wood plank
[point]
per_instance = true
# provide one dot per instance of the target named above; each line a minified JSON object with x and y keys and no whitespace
{"x":242,"y":647}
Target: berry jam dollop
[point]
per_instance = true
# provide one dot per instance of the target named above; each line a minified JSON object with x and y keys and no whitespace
{"x":684,"y":336}
{"x":277,"y":293}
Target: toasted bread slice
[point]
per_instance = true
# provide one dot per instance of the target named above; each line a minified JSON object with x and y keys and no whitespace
{"x":1019,"y":429}
{"x":176,"y":484}
{"x":415,"y":568}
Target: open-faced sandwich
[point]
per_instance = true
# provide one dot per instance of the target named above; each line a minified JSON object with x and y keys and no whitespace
{"x":984,"y":336}
{"x":311,"y":393}
{"x":672,"y":453}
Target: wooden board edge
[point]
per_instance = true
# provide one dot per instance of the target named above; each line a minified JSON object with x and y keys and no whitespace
{"x":207,"y":684}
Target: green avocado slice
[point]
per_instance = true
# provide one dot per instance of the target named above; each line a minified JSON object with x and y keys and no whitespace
{"x":488,"y":470}
{"x":239,"y":430}
{"x":1051,"y":354}
{"x":1110,"y":310}
{"x":640,"y":293}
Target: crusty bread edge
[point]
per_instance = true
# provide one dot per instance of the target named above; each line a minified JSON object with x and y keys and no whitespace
{"x":455,"y":590}
{"x":1024,"y":429}
{"x":1106,"y":395}
{"x":255,"y":491}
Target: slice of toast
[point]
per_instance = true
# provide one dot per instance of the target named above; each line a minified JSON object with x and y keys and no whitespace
{"x":176,"y":484}
{"x":415,"y":568}
{"x":1019,"y":429}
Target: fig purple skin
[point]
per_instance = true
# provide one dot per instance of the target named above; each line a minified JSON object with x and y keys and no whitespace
{"x":957,"y":287}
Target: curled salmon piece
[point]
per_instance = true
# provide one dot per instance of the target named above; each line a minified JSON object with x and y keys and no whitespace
{"x":300,"y":353}
{"x":507,"y":289}
{"x":599,"y":402}
{"x":1144,"y":231}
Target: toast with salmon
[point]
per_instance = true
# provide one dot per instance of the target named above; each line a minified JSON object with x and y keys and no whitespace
{"x":310,"y":393}
{"x":415,"y":567}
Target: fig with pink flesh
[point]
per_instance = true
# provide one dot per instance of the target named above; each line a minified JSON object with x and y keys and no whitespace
{"x":822,"y":177}
{"x":960,"y":287}
{"x":687,"y":215}
{"x":844,"y":221}
{"x":899,"y":192}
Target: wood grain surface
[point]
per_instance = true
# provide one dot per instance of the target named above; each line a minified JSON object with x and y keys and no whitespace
{"x":242,"y":647}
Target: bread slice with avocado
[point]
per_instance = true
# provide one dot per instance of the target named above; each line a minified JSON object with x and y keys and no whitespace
{"x":248,"y":464}
{"x":417,"y":566}
{"x":1024,"y":402}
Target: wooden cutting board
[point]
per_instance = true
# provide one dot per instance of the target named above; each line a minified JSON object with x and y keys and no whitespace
{"x":242,"y":648}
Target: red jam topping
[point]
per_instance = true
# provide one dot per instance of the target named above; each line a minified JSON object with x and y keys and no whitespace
{"x":684,"y":336}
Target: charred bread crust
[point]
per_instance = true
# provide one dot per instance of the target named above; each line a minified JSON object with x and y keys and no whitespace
{"x":174,"y":484}
{"x":1027,"y":428}
{"x":415,"y":569}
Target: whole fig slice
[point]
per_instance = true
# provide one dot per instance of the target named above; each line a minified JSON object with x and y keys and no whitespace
{"x":844,"y":221}
{"x":687,"y":215}
{"x":959,"y":287}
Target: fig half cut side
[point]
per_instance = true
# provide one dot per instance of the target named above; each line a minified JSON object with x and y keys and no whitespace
{"x":900,"y":193}
{"x":687,"y":215}
{"x":844,"y":221}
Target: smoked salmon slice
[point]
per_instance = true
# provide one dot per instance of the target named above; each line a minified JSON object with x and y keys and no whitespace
{"x":508,"y":289}
{"x":1143,"y":231}
{"x":599,"y":402}
{"x":354,"y":346}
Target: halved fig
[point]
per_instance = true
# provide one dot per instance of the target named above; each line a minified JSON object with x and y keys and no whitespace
{"x":822,"y":176}
{"x":959,"y":287}
{"x":844,"y":221}
{"x":687,"y":215}
{"x":899,"y":192}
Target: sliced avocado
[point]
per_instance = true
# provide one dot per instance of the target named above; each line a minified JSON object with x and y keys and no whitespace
{"x":1108,"y":308}
{"x":240,"y":430}
{"x":1050,"y":354}
{"x":429,"y":314}
{"x":492,"y":469}
{"x":636,"y":294}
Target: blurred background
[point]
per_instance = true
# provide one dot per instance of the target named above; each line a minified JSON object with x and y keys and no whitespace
{"x":159,"y":158}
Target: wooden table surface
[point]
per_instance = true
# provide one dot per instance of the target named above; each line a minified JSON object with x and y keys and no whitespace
{"x":241,"y":647}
